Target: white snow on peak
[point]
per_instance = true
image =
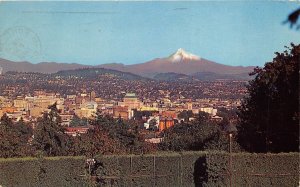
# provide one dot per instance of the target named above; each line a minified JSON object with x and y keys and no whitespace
{"x":182,"y":55}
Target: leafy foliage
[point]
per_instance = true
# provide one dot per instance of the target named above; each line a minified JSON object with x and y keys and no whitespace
{"x":76,"y":121}
{"x":269,"y":115}
{"x":49,"y":137}
{"x":197,"y":135}
{"x":110,"y":136}
{"x":14,"y":138}
{"x":95,"y":142}
{"x":185,"y":114}
{"x":105,"y":136}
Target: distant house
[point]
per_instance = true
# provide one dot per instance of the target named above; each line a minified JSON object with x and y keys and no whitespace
{"x":154,"y":140}
{"x":66,"y":119}
{"x":217,"y":118}
{"x":76,"y":131}
{"x":121,"y":111}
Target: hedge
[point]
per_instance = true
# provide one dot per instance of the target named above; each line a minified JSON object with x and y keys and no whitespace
{"x":162,"y":169}
{"x":55,"y":171}
{"x":199,"y":169}
{"x":254,"y":169}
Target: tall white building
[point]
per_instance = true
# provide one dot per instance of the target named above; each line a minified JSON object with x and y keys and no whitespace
{"x":1,"y":70}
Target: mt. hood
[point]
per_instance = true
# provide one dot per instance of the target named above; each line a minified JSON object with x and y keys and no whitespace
{"x":181,"y":62}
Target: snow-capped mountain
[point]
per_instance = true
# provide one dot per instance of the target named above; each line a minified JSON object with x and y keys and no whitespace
{"x":182,"y":56}
{"x":181,"y":62}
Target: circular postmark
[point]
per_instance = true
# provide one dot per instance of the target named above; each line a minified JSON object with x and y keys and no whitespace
{"x":20,"y":43}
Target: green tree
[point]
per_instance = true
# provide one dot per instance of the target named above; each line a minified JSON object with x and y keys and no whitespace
{"x":153,"y":125}
{"x":124,"y":133}
{"x":185,"y":114}
{"x":77,"y":121}
{"x":200,"y":134}
{"x":202,"y":117}
{"x":49,"y":137}
{"x":14,"y":138}
{"x":269,"y":115}
{"x":95,"y":142}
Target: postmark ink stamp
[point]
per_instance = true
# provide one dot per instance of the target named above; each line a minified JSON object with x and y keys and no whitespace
{"x":21,"y":43}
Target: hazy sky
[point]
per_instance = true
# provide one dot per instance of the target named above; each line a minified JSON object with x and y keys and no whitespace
{"x":231,"y":32}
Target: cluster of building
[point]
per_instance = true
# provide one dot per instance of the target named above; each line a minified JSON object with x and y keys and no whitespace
{"x":110,"y":87}
{"x":29,"y":108}
{"x":162,"y":113}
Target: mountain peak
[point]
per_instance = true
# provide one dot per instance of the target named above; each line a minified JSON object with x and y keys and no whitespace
{"x":181,"y":55}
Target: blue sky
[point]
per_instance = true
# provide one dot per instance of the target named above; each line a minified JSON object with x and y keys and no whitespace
{"x":227,"y":32}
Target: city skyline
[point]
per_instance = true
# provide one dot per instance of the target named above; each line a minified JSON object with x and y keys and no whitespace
{"x":231,"y":33}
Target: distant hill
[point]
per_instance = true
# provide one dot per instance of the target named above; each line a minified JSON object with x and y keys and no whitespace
{"x":43,"y":67}
{"x":180,"y":62}
{"x":205,"y":76}
{"x":93,"y":73}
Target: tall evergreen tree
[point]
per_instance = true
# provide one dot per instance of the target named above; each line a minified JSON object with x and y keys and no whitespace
{"x":49,"y":136}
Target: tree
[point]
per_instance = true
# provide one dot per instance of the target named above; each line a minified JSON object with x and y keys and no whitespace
{"x":269,"y":116}
{"x":197,"y":135}
{"x":186,"y":114}
{"x":293,"y":18}
{"x":202,"y":117}
{"x":49,"y":137}
{"x":124,"y":133}
{"x":14,"y":138}
{"x":93,"y":143}
{"x":153,"y":125}
{"x":76,"y":121}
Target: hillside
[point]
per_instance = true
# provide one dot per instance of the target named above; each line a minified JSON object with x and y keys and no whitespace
{"x":43,"y":67}
{"x":92,"y":73}
{"x":171,"y":76}
{"x":210,"y":76}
